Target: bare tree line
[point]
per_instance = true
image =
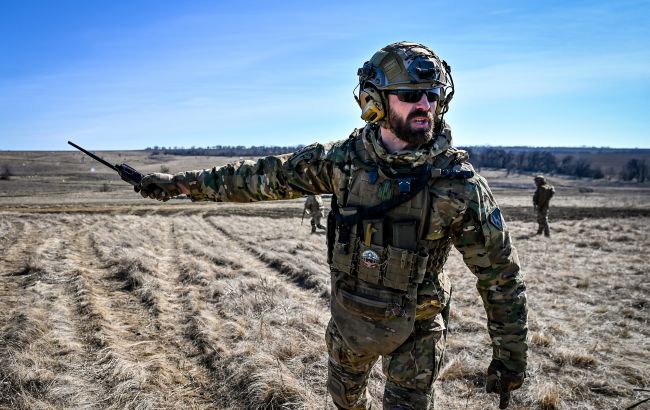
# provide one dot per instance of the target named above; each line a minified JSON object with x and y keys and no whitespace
{"x":547,"y":162}
{"x":513,"y":160}
{"x":225,"y":151}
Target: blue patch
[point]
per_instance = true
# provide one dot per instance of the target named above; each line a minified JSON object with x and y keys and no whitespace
{"x":404,"y":185}
{"x":372,"y":177}
{"x":497,"y":219}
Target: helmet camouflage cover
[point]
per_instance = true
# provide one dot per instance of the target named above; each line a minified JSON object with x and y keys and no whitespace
{"x":404,"y":65}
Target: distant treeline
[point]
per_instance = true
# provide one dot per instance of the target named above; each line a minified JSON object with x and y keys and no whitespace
{"x":577,"y":162}
{"x":225,"y":151}
{"x":546,"y":162}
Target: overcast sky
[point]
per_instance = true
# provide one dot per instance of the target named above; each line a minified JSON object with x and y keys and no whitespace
{"x":132,"y":74}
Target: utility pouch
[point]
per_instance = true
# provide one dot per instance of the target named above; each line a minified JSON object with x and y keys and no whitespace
{"x":405,"y":234}
{"x":385,"y":317}
{"x":378,"y":304}
{"x":371,"y":251}
{"x":399,"y":264}
{"x":343,"y":251}
{"x":421,"y":261}
{"x":370,"y":263}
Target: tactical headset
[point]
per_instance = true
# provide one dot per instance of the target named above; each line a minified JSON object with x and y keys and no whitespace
{"x":371,"y":103}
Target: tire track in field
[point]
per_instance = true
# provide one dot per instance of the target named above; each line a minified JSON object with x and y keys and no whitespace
{"x":133,"y":359}
{"x":213,"y":308}
{"x":19,"y":243}
{"x":202,"y":329}
{"x":50,"y":365}
{"x":12,"y":262}
{"x":193,"y":284}
{"x":179,"y":315}
{"x":277,"y":264}
{"x":248,"y":324}
{"x":10,"y":229}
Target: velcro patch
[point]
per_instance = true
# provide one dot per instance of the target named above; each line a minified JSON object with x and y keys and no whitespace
{"x":497,"y":219}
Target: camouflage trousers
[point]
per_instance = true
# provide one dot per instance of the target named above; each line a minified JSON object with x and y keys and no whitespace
{"x":316,"y":220}
{"x":410,"y":370}
{"x":542,"y":221}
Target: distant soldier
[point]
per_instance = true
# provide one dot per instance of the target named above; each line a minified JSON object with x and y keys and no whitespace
{"x":541,"y":200}
{"x":314,"y":207}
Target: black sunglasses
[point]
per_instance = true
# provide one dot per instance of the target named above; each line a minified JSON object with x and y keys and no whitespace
{"x":413,"y":96}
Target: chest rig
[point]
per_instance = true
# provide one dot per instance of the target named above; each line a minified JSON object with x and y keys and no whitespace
{"x":378,"y":249}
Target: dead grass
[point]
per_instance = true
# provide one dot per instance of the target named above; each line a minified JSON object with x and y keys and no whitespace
{"x":549,"y":397}
{"x":120,"y":303}
{"x":542,"y":338}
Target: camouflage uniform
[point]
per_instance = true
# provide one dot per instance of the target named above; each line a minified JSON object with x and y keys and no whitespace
{"x":394,"y":219}
{"x":459,"y":211}
{"x":314,"y":206}
{"x":541,"y":200}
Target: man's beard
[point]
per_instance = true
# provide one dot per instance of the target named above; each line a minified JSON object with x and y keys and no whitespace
{"x":402,"y":129}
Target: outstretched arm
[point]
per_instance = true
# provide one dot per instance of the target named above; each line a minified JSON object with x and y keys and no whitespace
{"x":274,"y":177}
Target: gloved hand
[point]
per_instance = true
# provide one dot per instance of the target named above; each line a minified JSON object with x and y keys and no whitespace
{"x":162,"y":187}
{"x":502,"y":380}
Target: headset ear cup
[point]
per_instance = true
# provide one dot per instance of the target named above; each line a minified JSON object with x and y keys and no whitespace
{"x":372,"y":106}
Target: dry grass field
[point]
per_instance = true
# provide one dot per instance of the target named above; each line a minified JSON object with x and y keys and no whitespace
{"x":108,"y":300}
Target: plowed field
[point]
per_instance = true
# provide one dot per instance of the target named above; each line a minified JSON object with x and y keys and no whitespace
{"x":107,"y":302}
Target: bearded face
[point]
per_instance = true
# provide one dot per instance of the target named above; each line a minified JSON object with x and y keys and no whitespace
{"x":416,"y":128}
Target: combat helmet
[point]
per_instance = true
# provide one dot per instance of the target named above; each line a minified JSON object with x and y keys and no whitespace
{"x":539,"y":179}
{"x":402,"y":65}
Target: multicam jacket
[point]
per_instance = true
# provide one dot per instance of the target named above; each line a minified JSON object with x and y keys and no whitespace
{"x":314,"y":204}
{"x":543,"y":194}
{"x":393,"y":263}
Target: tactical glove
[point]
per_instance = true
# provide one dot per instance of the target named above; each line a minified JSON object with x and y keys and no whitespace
{"x":502,"y":380}
{"x":162,"y":187}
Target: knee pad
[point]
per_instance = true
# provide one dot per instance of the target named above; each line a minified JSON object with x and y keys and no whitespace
{"x":345,"y":399}
{"x":397,"y":397}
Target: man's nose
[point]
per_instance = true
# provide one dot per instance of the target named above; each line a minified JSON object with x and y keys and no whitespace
{"x":423,"y":103}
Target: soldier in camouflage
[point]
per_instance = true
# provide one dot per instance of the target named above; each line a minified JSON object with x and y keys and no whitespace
{"x":314,"y":207}
{"x":541,"y":200}
{"x":402,"y":196}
